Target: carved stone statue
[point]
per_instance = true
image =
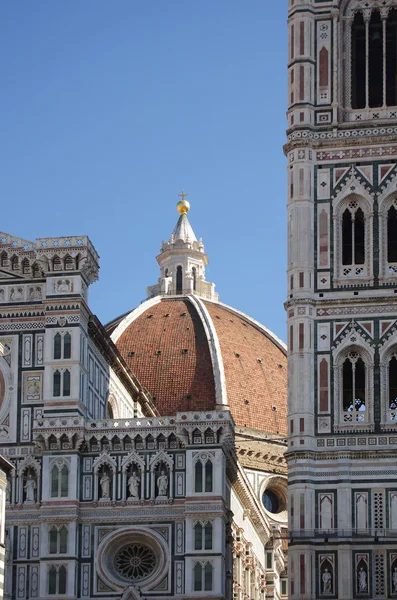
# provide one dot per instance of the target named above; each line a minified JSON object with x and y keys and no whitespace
{"x":162,"y":484}
{"x":327,"y":582}
{"x":362,"y":580}
{"x":133,"y":485}
{"x":395,"y":579}
{"x":104,"y":482}
{"x":132,"y":593}
{"x":30,"y":489}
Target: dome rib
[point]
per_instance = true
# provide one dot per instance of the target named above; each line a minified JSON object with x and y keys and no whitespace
{"x":215,"y":350}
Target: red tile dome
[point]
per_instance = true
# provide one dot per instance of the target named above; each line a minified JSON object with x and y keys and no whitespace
{"x":193,"y":354}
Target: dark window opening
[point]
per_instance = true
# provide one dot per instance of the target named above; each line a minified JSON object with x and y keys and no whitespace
{"x":353,"y":385}
{"x":359,"y":238}
{"x":67,"y":346}
{"x":393,"y":383}
{"x":358,"y":62}
{"x":392,"y":235}
{"x":375,"y":69}
{"x":57,"y":346}
{"x":347,"y":238}
{"x":194,"y":274}
{"x":391,"y":59}
{"x":179,"y":280}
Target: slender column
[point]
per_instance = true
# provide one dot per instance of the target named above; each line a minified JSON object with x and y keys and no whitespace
{"x":348,"y":64}
{"x":96,"y":486}
{"x":384,"y":14}
{"x":124,"y":484}
{"x":142,"y":494}
{"x":114,"y":490}
{"x":153,"y":485}
{"x":13,"y":487}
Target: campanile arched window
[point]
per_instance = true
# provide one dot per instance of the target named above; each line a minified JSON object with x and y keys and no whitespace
{"x":373,"y":59}
{"x":392,"y":235}
{"x":353,"y":235}
{"x":354,"y":402}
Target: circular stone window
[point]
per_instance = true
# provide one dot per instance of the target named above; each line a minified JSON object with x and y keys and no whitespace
{"x":270,"y":501}
{"x":132,"y":555}
{"x":274,"y":496}
{"x":135,"y":562}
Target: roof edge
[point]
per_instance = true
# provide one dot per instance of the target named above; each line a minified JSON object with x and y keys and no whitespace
{"x":269,"y":334}
{"x":131,"y":316}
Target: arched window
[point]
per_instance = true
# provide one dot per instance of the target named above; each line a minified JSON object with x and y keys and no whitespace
{"x":353,"y":388}
{"x":179,"y":280}
{"x":25,"y":266}
{"x":4,"y":259}
{"x":194,"y":274}
{"x":392,"y":389}
{"x":59,"y":482}
{"x":36,"y":270}
{"x":14,"y":263}
{"x":69,"y":263}
{"x":52,"y":581}
{"x":208,"y":476}
{"x":57,"y":384}
{"x":203,"y":536}
{"x":368,"y":88}
{"x":198,"y":476}
{"x":109,"y":411}
{"x":66,"y":382}
{"x":202,"y":577}
{"x":58,"y":540}
{"x":57,"y":346}
{"x":392,"y":235}
{"x":203,"y":475}
{"x":353,"y":235}
{"x":67,"y":345}
{"x":57,"y":580}
{"x":56,"y":263}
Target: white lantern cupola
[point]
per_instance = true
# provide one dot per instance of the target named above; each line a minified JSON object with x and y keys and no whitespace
{"x":182,"y":261}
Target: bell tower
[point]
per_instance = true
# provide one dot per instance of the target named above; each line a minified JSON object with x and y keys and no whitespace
{"x":342,"y":298}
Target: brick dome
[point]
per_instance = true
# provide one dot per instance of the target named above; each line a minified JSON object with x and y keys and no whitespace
{"x":195,"y":354}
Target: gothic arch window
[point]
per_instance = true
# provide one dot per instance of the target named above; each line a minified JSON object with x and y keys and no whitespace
{"x":388,"y":362}
{"x":203,"y":536}
{"x":202,"y":577}
{"x":4,"y":259}
{"x":25,"y":266}
{"x":392,"y":235}
{"x":388,"y":239}
{"x":354,"y":387}
{"x":392,"y":388}
{"x":353,"y":235}
{"x":57,"y":578}
{"x":62,"y":345}
{"x":58,"y":540}
{"x":14,"y":263}
{"x":179,"y":280}
{"x":61,"y":383}
{"x":352,"y":240}
{"x":69,"y":263}
{"x":203,"y":474}
{"x":36,"y":271}
{"x":56,"y":263}
{"x":370,"y":46}
{"x":59,"y":481}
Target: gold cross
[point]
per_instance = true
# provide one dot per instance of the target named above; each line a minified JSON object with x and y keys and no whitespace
{"x":183,"y":195}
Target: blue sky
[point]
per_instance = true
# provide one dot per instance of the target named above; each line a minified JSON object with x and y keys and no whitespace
{"x":110,"y":107}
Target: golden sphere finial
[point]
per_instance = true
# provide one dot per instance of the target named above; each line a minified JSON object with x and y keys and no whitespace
{"x":183,"y":205}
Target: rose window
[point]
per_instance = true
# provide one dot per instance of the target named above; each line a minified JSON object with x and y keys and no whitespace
{"x":135,"y":561}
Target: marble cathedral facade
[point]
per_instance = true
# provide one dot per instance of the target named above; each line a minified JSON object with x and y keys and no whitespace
{"x":107,"y":498}
{"x":342,"y":302}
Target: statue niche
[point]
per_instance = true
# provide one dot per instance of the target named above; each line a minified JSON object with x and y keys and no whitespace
{"x":162,"y":481}
{"x":134,"y":483}
{"x":29,"y":487}
{"x":105,"y":484}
